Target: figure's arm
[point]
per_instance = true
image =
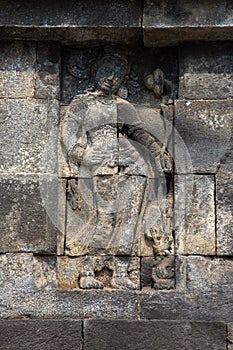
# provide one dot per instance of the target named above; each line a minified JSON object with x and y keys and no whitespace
{"x":73,"y":137}
{"x":133,"y":126}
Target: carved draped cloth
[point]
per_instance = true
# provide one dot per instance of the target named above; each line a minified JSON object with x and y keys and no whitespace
{"x":119,"y":179}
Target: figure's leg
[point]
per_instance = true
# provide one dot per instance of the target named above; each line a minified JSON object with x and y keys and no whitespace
{"x":105,"y":194}
{"x":131,"y":191}
{"x":120,"y":278}
{"x":87,"y":276}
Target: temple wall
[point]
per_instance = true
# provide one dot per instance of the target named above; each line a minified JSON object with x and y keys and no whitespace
{"x":45,"y":51}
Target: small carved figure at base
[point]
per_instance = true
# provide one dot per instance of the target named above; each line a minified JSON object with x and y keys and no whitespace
{"x":163,"y":272}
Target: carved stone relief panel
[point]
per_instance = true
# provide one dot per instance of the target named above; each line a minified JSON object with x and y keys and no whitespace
{"x":116,"y":150}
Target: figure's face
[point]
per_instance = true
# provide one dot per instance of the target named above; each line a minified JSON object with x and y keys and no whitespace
{"x":111,"y":74}
{"x":149,"y":81}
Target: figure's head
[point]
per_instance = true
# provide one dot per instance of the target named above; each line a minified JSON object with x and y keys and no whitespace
{"x":112,"y":69}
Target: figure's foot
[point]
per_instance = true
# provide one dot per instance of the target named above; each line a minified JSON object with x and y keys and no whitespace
{"x":89,"y":282}
{"x":123,"y":282}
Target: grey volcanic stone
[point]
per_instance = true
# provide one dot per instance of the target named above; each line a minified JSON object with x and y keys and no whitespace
{"x":30,"y":213}
{"x":28,"y":135}
{"x":150,"y":335}
{"x":205,"y":128}
{"x":72,"y":21}
{"x":168,"y":22}
{"x":205,"y":274}
{"x":195,"y":214}
{"x":206,"y":71}
{"x":224,"y":196}
{"x":202,"y":306}
{"x":21,"y":276}
{"x":230,"y":336}
{"x":28,"y":288}
{"x":69,"y":304}
{"x":38,"y":334}
{"x":17,"y":69}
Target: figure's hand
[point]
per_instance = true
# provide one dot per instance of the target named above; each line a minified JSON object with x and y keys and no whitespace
{"x":99,"y":157}
{"x":161,"y":243}
{"x":92,"y":157}
{"x":75,"y":156}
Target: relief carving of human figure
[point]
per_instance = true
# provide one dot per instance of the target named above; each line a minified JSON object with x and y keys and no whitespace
{"x":120,"y":177}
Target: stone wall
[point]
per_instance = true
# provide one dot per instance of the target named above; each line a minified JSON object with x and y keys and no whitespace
{"x":41,"y":302}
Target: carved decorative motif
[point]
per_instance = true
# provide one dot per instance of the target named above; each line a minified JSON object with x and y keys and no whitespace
{"x":121,"y":194}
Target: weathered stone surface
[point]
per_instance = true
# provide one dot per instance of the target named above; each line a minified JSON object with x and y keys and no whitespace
{"x":17,"y":69}
{"x":48,"y":71}
{"x":204,"y":274}
{"x":148,"y":335}
{"x":69,"y":271}
{"x":28,"y":135}
{"x":75,"y":304}
{"x":157,"y":272}
{"x":31,"y":213}
{"x":205,"y":128}
{"x":195,"y":214}
{"x":35,"y":334}
{"x":166,"y":22}
{"x":205,"y":306}
{"x":28,"y":289}
{"x":206,"y":71}
{"x":224,"y":206}
{"x":25,"y":273}
{"x":75,"y":21}
{"x":68,"y":304}
{"x":230,"y":336}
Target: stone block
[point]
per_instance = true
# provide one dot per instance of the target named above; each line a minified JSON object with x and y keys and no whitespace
{"x":35,"y":334}
{"x":203,"y":135}
{"x":48,"y":71}
{"x":206,"y":274}
{"x":195,"y":214}
{"x":202,"y":306}
{"x":24,"y":273}
{"x":167,"y":23}
{"x":230,"y":336}
{"x":28,"y":135}
{"x":206,"y":71}
{"x":32,"y":213}
{"x":73,"y":21}
{"x":224,"y":206}
{"x":68,"y":304}
{"x":150,"y":335}
{"x":17,"y":69}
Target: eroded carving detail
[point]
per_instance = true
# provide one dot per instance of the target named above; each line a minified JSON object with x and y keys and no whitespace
{"x":161,"y":87}
{"x":121,"y":190}
{"x":163,"y":262}
{"x":163,"y":272}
